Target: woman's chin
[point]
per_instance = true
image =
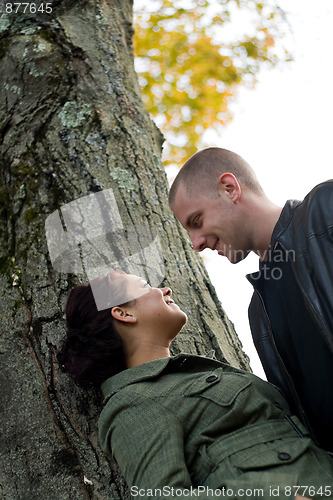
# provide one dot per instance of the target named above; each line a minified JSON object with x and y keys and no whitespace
{"x":182,"y":319}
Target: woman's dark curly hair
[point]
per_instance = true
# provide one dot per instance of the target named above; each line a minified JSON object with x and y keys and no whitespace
{"x":93,"y":350}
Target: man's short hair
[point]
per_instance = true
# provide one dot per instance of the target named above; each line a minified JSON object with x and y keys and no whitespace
{"x":203,"y":169}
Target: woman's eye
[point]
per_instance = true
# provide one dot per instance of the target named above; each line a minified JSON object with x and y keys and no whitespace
{"x":196,"y":221}
{"x":147,"y":285}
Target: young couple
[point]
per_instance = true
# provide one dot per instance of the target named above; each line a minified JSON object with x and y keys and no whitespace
{"x":188,"y":421}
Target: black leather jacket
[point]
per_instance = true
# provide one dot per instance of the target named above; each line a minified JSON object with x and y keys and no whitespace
{"x":306,"y":228}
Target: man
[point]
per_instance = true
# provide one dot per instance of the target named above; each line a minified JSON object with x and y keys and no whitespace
{"x":219,"y":201}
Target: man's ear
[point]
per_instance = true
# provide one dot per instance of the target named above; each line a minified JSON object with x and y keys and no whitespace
{"x":122,"y":315}
{"x":229,"y":184}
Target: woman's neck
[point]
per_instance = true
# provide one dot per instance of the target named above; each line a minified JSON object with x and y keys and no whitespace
{"x":145,"y":353}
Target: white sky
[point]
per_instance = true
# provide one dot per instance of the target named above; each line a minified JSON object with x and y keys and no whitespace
{"x":283,"y":128}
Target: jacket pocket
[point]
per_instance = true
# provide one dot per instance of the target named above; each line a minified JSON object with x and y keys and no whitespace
{"x":220,"y":387}
{"x":272,"y":454}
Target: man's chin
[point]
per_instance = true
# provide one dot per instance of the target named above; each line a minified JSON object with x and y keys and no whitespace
{"x":236,"y":256}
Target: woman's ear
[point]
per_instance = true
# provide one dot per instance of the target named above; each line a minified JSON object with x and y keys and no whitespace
{"x":122,"y":315}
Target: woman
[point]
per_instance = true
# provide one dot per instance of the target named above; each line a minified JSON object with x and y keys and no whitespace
{"x":185,"y":425}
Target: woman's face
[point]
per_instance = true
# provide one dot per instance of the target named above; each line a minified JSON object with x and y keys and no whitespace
{"x":153,"y":307}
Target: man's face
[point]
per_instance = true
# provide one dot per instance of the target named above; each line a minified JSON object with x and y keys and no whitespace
{"x":213,"y":222}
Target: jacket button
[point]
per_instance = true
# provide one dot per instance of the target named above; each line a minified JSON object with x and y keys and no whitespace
{"x":211,"y":378}
{"x":284,"y":456}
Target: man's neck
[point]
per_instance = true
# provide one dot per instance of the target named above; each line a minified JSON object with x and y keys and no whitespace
{"x":265,"y":216}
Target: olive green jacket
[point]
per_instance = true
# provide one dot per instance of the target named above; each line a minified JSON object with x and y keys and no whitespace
{"x":187,"y":426}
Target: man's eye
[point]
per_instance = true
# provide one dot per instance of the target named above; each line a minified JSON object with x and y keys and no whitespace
{"x":147,"y":285}
{"x":196,"y":221}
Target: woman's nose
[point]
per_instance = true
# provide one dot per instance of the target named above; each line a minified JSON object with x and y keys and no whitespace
{"x":167,"y":291}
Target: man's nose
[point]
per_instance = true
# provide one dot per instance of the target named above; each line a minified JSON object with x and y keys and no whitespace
{"x":199,"y":243}
{"x":167,"y":291}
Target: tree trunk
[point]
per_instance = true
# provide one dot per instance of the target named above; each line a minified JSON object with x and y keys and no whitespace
{"x":73,"y":123}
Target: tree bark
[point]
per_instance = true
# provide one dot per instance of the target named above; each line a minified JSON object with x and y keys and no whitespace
{"x":72,"y":122}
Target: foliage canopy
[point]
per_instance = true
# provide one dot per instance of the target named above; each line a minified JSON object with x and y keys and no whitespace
{"x":192,"y":55}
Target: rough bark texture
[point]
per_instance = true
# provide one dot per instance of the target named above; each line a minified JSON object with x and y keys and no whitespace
{"x":72,"y":123}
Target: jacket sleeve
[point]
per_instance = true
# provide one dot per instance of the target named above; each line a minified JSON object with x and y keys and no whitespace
{"x":147,"y":442}
{"x":315,"y":265}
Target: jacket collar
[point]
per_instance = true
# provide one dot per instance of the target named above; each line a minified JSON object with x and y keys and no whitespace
{"x":132,"y":375}
{"x":154,"y":369}
{"x":278,"y":231}
{"x":283,"y":221}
